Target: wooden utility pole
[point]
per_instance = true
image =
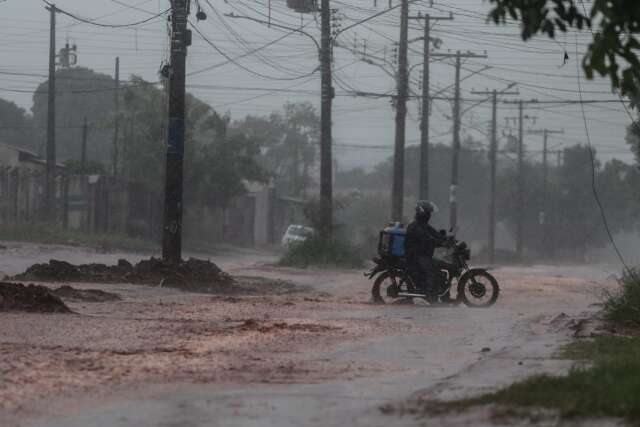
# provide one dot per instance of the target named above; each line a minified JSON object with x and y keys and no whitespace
{"x":520,"y":225}
{"x":520,"y":178}
{"x":545,"y":183}
{"x":453,"y":189}
{"x":327,"y":93}
{"x":493,"y":150}
{"x":50,"y":180}
{"x":423,"y":190}
{"x":116,"y":120}
{"x":172,"y":231}
{"x":397,"y":196}
{"x":83,"y":149}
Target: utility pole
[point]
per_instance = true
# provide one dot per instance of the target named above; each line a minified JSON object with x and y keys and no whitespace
{"x":453,"y":190}
{"x":520,"y":179}
{"x":325,"y":53}
{"x":83,"y":149}
{"x":180,"y":38}
{"x":545,"y":181}
{"x":520,"y":225}
{"x":423,"y":191}
{"x":493,"y":150}
{"x":50,"y":180}
{"x":397,"y":196}
{"x":327,"y":93}
{"x":116,"y":121}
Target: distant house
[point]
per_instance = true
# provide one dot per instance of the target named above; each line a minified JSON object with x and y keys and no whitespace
{"x":21,"y":183}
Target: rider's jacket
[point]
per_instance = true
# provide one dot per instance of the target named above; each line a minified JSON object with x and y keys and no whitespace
{"x":421,"y":240}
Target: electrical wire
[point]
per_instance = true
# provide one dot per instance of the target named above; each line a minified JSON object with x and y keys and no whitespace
{"x":249,"y":70}
{"x":92,"y":22}
{"x":594,"y":188}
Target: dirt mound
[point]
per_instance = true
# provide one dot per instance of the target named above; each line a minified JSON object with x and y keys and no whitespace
{"x":190,"y":274}
{"x":31,"y":298}
{"x":85,"y":295}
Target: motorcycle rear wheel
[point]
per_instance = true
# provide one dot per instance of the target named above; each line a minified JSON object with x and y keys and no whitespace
{"x":388,"y":285}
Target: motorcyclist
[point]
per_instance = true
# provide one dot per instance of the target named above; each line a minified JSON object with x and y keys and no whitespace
{"x":421,"y":241}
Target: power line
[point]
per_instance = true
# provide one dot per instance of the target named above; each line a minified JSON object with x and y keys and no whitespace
{"x":594,"y":189}
{"x":99,"y":24}
{"x":249,"y":70}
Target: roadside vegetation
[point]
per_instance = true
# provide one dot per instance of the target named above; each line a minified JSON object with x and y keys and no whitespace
{"x":323,"y":249}
{"x":322,"y":252}
{"x":48,"y":234}
{"x":622,"y":307}
{"x":605,"y":381}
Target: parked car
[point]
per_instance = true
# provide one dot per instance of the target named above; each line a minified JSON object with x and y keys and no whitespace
{"x":296,"y":234}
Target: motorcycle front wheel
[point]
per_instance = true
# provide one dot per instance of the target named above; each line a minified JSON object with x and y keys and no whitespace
{"x":387,"y":287}
{"x":479,"y":289}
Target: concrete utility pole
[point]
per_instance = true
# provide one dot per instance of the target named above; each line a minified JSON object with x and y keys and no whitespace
{"x":520,"y":226}
{"x":50,"y":180}
{"x":397,"y":195}
{"x":423,"y":190}
{"x":493,"y":150}
{"x":325,"y":51}
{"x":180,"y":38}
{"x":545,"y":181}
{"x":327,"y":93}
{"x":116,"y":120}
{"x":520,"y":180}
{"x":83,"y":148}
{"x":453,"y":190}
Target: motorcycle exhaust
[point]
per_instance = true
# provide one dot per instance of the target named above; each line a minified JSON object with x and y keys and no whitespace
{"x":406,"y":295}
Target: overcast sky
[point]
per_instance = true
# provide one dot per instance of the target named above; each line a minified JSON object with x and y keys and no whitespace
{"x":262,"y":81}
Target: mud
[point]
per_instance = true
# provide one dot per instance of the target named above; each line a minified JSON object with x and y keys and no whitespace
{"x":193,"y":273}
{"x":85,"y":295}
{"x":31,"y":298}
{"x":254,"y":325}
{"x":323,"y":357}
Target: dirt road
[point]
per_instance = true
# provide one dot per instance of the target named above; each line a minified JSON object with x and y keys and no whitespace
{"x":320,"y":357}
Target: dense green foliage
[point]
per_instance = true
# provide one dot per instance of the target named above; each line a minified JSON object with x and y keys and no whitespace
{"x":614,"y":49}
{"x":623,"y":306}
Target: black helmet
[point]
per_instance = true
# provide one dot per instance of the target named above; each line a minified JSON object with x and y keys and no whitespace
{"x":424,"y":209}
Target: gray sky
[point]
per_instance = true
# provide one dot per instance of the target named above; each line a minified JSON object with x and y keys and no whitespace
{"x":284,"y":66}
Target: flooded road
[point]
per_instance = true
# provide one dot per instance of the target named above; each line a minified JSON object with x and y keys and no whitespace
{"x":323,"y":356}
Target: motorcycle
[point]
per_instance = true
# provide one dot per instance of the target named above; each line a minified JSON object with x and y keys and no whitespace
{"x":475,"y":287}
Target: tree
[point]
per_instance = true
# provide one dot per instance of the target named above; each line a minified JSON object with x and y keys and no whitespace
{"x":16,"y":126}
{"x":217,"y":165}
{"x":633,"y":138}
{"x":80,"y":93}
{"x":614,"y":40}
{"x":289,"y":143}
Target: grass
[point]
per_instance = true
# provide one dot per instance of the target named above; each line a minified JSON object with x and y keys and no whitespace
{"x":623,"y":307}
{"x":322,"y":252}
{"x":605,"y":384}
{"x":48,"y":234}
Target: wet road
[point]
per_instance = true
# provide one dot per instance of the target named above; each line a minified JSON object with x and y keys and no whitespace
{"x":412,"y":350}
